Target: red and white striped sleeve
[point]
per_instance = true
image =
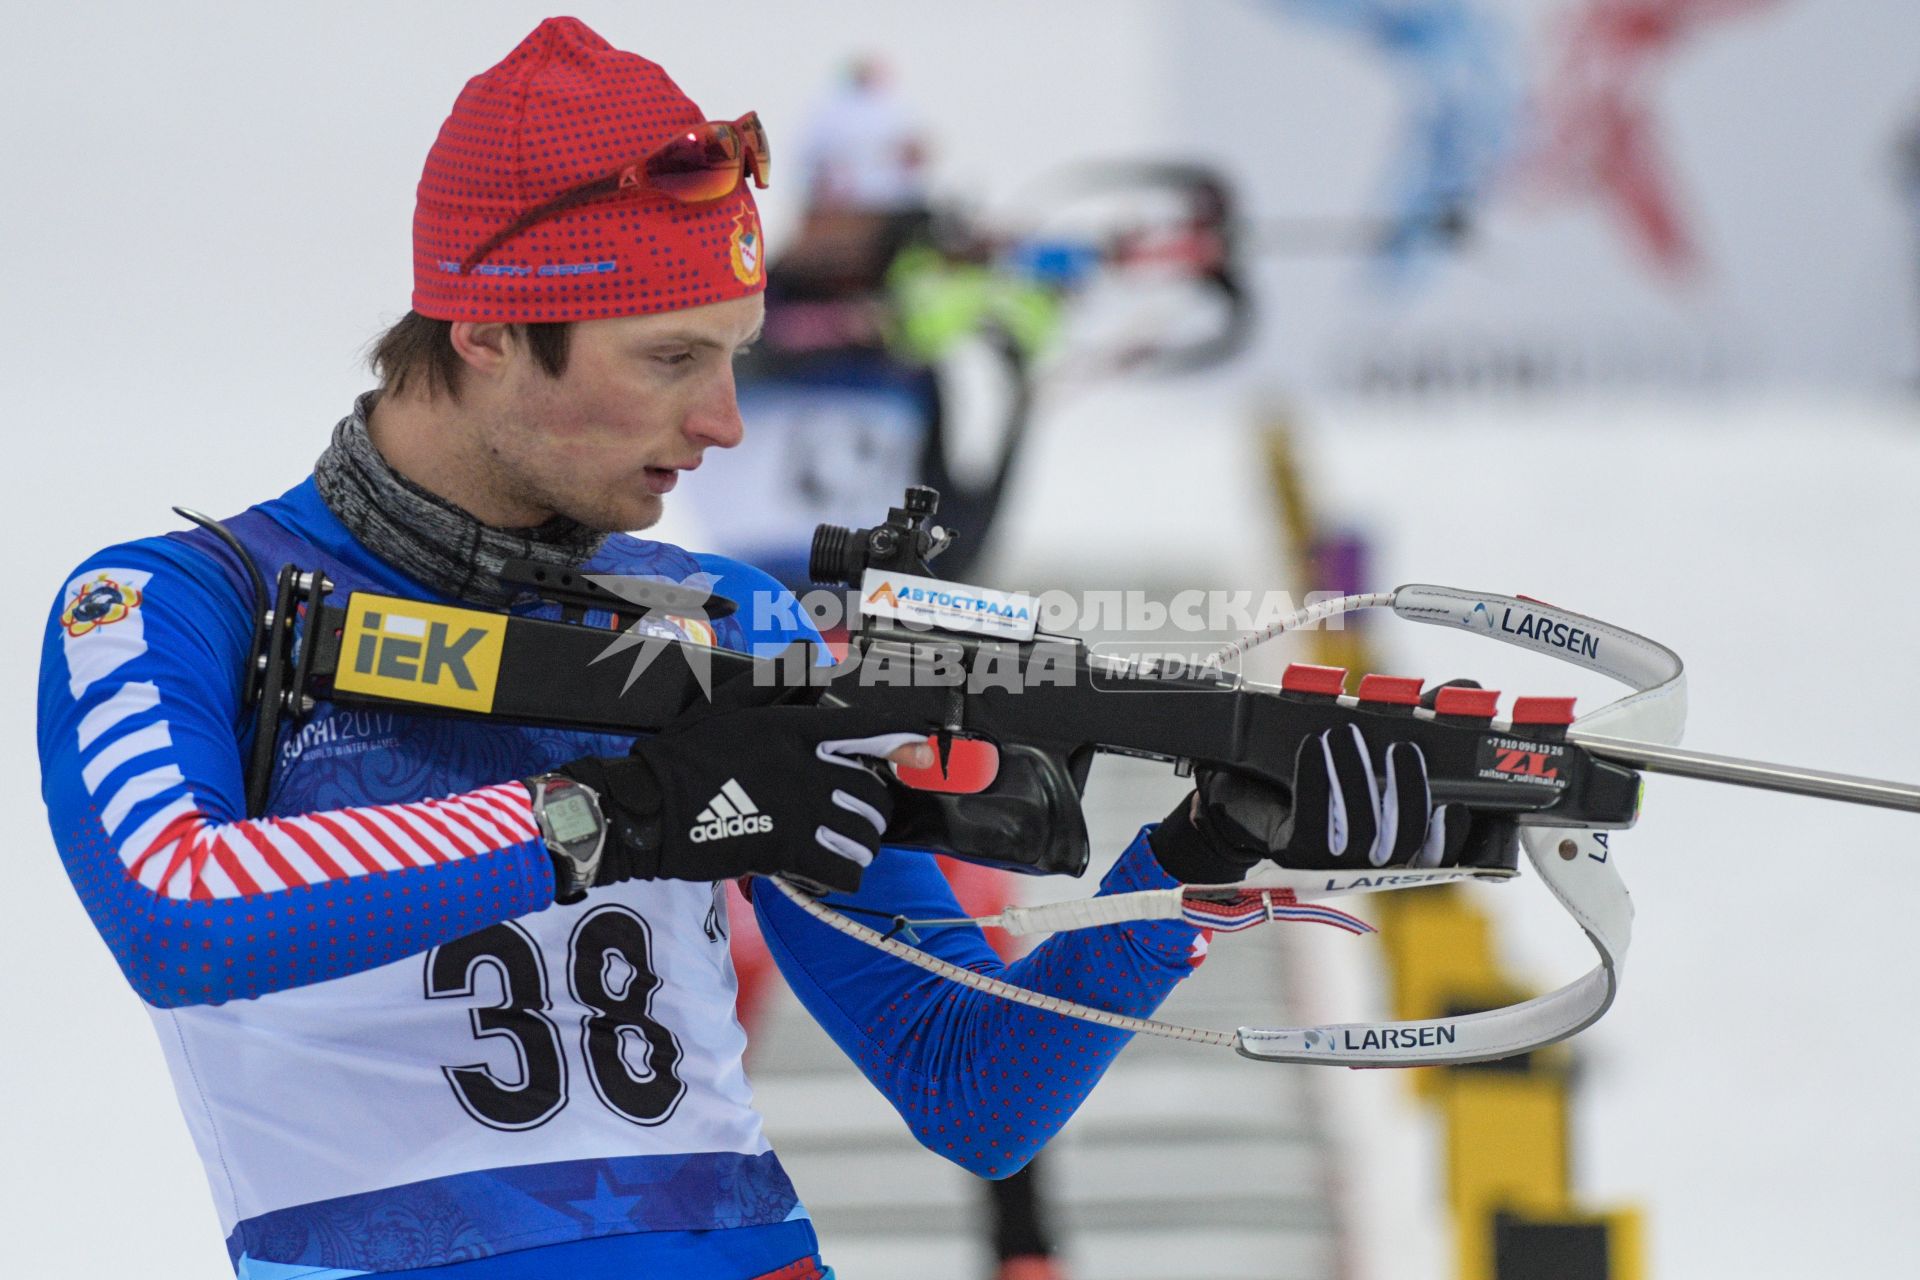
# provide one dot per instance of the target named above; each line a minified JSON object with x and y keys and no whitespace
{"x":190,"y":857}
{"x":141,"y":769}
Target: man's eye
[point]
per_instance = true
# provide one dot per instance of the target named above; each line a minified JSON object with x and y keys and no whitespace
{"x":675,"y":357}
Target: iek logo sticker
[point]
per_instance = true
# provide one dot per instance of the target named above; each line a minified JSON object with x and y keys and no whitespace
{"x":418,"y":652}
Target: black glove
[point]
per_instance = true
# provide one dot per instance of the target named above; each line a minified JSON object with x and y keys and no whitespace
{"x":731,"y":791}
{"x":1338,"y":815}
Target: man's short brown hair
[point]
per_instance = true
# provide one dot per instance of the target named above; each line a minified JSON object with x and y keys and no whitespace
{"x":419,"y":350}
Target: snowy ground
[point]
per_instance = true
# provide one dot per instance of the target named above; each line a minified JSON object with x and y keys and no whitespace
{"x":1752,"y":1090}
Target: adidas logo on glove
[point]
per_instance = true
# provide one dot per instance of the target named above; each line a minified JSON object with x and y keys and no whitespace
{"x":730,"y":813}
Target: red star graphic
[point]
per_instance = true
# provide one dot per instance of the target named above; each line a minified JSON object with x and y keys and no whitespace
{"x":1600,"y":139}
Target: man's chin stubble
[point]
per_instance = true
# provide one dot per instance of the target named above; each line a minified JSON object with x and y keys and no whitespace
{"x":643,"y":516}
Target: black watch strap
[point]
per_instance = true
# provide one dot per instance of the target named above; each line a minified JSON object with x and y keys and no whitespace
{"x":631,"y":802}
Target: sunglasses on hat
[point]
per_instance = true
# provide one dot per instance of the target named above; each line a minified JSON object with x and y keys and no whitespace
{"x":700,"y":164}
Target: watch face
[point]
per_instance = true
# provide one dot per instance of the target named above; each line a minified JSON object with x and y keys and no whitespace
{"x":571,"y":817}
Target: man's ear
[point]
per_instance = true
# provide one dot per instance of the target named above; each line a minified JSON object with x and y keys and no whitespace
{"x":486,"y":347}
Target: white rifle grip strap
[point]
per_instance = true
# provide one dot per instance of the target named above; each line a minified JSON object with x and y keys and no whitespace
{"x":1576,"y":865}
{"x":1171,"y":904}
{"x":1089,"y":913}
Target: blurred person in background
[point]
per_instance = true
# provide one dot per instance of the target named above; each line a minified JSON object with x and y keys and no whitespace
{"x":863,"y":151}
{"x":855,"y":414}
{"x":866,"y":304}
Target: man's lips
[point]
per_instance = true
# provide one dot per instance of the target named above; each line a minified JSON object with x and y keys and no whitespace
{"x":662,"y":479}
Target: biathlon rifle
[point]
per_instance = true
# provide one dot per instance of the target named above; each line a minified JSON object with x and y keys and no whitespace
{"x":1018,"y":714}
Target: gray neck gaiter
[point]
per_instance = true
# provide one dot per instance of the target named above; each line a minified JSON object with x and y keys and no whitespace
{"x":427,"y":537}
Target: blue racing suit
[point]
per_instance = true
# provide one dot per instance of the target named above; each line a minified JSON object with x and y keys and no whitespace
{"x":393,"y":1050}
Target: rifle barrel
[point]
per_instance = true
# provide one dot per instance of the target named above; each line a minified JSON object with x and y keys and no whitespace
{"x":1792,"y":779}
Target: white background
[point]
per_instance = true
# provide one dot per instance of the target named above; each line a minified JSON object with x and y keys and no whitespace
{"x":207,"y":217}
{"x":1773,"y":129}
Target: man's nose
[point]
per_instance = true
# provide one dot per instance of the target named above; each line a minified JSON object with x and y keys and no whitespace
{"x":715,"y":420}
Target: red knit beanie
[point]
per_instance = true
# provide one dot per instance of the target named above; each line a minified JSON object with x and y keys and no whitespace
{"x":566,"y":108}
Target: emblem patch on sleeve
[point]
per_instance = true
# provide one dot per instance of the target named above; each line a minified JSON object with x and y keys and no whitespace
{"x":102,"y":625}
{"x":98,"y":600}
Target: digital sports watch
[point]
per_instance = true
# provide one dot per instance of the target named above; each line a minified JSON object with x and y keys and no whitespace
{"x":574,"y":829}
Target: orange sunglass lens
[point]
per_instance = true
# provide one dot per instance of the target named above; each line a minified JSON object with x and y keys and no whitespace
{"x":701,"y":164}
